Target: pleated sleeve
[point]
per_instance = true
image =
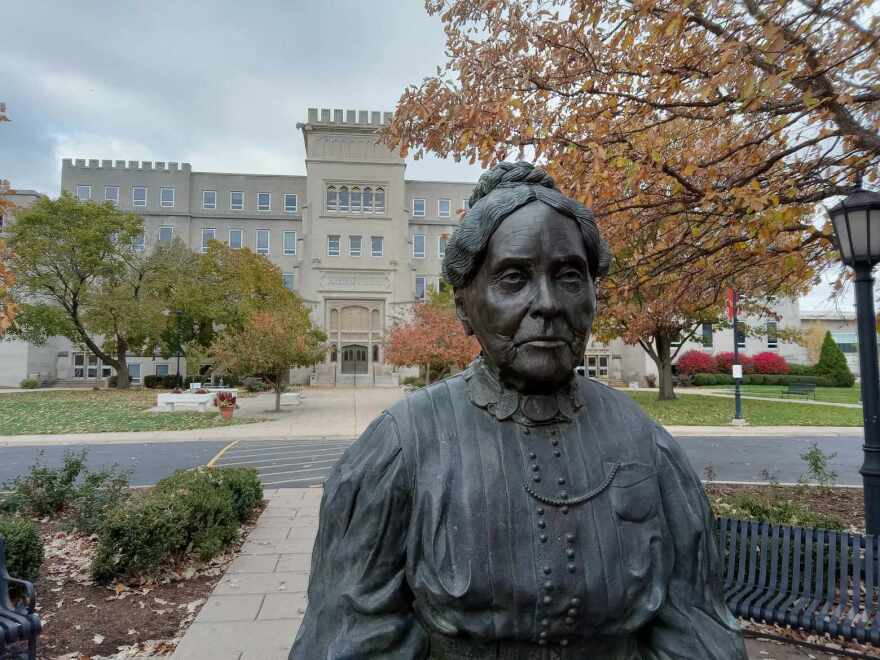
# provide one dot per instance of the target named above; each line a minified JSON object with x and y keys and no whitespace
{"x":360,"y":605}
{"x":694,"y":622}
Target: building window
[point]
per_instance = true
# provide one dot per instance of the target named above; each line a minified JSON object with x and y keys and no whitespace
{"x":772,"y":337}
{"x":676,"y":341}
{"x":375,"y":352}
{"x":161,"y":369}
{"x":139,"y":197}
{"x":368,"y":200}
{"x":377,"y":246}
{"x":847,"y":342}
{"x":83,"y":193}
{"x":379,"y":201}
{"x":236,"y":200}
{"x":332,"y":199}
{"x":333,"y":245}
{"x":343,"y":199}
{"x":420,"y":287}
{"x":354,"y":246}
{"x":166,"y":198}
{"x":111,"y":194}
{"x":208,"y":234}
{"x":209,"y":199}
{"x":262,"y":241}
{"x":264,"y":201}
{"x":418,"y":208}
{"x":236,"y":238}
{"x":289,"y":203}
{"x":332,"y":352}
{"x":740,"y":334}
{"x":166,"y":233}
{"x":289,"y":246}
{"x":444,"y":207}
{"x":356,"y":198}
{"x":134,"y":373}
{"x":419,"y":246}
{"x":441,"y":247}
{"x":465,"y":205}
{"x":137,"y":243}
{"x":288,"y":281}
{"x":707,"y":335}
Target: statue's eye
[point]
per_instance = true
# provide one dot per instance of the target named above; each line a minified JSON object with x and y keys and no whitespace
{"x":571,"y":276}
{"x":513,"y":278}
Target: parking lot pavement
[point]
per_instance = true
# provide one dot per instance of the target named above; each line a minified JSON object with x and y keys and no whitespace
{"x":294,"y":463}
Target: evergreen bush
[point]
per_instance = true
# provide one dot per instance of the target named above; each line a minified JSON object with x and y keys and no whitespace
{"x":29,"y":384}
{"x":832,"y":364}
{"x":24,"y":549}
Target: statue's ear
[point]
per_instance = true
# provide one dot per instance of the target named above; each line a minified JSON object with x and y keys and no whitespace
{"x":461,"y":312}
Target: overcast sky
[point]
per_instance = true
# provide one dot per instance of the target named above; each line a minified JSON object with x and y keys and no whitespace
{"x":220,"y":85}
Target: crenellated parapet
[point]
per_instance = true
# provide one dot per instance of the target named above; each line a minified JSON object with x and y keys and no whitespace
{"x":339,"y":117}
{"x":125,"y":165}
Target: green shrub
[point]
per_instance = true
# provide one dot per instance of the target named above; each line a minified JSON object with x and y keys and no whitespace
{"x":98,"y":494}
{"x":832,"y":364}
{"x":44,"y":491}
{"x":196,"y":510}
{"x":800,"y":370}
{"x":768,"y":379}
{"x":171,"y":381}
{"x":413,"y":381}
{"x":151,"y":382}
{"x":703,"y":379}
{"x":773,"y":507}
{"x":252,"y":384}
{"x":24,"y":549}
{"x":29,"y":384}
{"x":242,"y":484}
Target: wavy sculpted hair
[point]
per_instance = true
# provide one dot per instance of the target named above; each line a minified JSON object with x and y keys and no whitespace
{"x":501,"y":191}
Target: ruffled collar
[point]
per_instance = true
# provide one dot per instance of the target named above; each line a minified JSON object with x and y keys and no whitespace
{"x":487,"y":392}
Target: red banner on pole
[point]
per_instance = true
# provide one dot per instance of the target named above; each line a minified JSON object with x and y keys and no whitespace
{"x":731,"y":303}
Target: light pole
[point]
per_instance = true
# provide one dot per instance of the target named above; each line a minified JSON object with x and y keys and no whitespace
{"x":737,"y":368}
{"x":856,"y":223}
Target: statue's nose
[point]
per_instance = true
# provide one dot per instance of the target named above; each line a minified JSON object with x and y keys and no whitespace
{"x":545,"y":303}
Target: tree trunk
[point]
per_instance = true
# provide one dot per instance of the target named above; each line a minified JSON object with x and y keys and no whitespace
{"x":122,"y":380}
{"x":663,"y":342}
{"x":427,"y":374}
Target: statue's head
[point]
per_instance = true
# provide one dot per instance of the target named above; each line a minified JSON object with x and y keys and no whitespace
{"x":524,"y":264}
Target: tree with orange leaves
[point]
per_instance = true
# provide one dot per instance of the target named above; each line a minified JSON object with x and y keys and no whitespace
{"x":433,"y":338}
{"x":701,"y":134}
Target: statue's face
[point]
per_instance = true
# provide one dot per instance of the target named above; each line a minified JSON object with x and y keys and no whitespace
{"x":532,"y":302}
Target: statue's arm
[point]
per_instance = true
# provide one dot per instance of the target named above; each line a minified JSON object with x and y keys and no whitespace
{"x":360,"y":605}
{"x":694,"y":622}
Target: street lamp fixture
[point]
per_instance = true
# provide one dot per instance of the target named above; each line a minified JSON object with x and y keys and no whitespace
{"x":856,"y":222}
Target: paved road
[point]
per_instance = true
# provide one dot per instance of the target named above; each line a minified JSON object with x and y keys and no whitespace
{"x":306,"y":462}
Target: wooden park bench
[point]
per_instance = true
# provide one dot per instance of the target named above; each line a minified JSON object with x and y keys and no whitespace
{"x":800,"y":389}
{"x":814,"y":579}
{"x":19,"y":626}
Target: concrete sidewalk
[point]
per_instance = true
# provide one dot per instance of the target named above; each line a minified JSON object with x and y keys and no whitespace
{"x":256,"y":609}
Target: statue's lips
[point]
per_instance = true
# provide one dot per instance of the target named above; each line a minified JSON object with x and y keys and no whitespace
{"x":545,"y":342}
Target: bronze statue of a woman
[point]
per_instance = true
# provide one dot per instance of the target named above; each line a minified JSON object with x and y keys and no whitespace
{"x":516,"y":510}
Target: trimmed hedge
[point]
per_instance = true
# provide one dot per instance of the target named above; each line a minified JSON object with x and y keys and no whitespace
{"x":197,"y":510}
{"x":760,"y":379}
{"x":24,"y":550}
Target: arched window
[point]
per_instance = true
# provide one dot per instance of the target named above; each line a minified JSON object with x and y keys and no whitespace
{"x":343,"y":198}
{"x":355,"y":200}
{"x":368,"y":200}
{"x":331,"y":198}
{"x":375,"y":352}
{"x":379,"y":200}
{"x":332,"y":352}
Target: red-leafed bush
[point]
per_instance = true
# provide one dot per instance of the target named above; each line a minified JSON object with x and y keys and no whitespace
{"x":770,"y":363}
{"x":724,"y":362}
{"x":695,"y":362}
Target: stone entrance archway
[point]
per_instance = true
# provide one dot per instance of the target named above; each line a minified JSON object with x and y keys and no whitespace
{"x":354,"y":359}
{"x":355,"y":333}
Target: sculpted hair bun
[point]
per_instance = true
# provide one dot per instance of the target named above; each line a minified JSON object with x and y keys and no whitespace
{"x":507,"y":174}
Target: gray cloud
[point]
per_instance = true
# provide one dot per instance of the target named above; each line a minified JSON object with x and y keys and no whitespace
{"x":218,"y":84}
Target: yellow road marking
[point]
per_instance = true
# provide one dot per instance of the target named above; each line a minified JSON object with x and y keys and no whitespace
{"x":221,"y":452}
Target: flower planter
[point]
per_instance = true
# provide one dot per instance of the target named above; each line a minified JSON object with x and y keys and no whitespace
{"x":227,"y":412}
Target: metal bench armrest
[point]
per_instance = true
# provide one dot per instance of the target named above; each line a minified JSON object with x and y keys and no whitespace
{"x":29,"y":590}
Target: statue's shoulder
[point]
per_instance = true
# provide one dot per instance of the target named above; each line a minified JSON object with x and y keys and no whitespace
{"x":615,"y":409}
{"x":426,"y":402}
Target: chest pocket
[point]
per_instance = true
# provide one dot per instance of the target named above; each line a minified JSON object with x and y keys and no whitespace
{"x":634,"y":492}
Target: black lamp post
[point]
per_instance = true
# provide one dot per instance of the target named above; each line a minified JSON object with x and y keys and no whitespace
{"x":856,"y":223}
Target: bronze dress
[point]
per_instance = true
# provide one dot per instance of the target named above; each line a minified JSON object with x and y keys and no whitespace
{"x":469,"y":521}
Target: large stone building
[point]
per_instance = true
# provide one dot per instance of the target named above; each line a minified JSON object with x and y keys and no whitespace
{"x":357,"y":240}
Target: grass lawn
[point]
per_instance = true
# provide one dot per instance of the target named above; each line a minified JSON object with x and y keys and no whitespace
{"x":91,"y":411}
{"x":696,"y":410}
{"x":830,"y":394}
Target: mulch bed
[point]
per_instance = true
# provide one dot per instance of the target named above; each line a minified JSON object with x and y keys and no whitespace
{"x":847,"y":504}
{"x":86,"y":621}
